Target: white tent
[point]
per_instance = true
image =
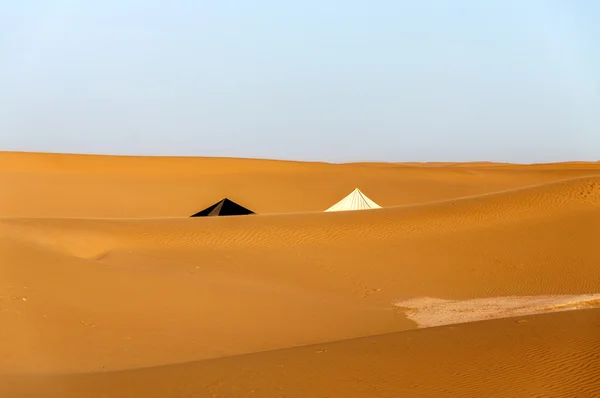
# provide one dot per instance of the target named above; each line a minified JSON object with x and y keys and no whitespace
{"x":355,"y":201}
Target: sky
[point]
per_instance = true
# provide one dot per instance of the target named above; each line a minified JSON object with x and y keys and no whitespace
{"x":385,"y":80}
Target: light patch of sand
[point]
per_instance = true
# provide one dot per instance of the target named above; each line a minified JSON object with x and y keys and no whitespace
{"x":429,"y":311}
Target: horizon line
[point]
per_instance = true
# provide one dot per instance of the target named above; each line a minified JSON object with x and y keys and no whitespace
{"x":113,"y":155}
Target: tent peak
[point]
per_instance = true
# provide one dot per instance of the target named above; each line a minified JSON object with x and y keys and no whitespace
{"x":224,"y":207}
{"x":356,"y":200}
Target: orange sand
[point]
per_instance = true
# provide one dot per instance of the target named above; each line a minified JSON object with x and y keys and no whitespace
{"x":108,"y":289}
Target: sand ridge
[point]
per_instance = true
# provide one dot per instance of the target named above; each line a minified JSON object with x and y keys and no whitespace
{"x":550,"y":355}
{"x":54,"y":185}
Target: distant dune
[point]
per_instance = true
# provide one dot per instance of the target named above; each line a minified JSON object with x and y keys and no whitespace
{"x":108,"y":288}
{"x":50,"y":185}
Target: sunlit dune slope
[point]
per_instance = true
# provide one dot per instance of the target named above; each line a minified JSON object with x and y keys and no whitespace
{"x":56,"y":185}
{"x":551,"y":355}
{"x":98,"y":294}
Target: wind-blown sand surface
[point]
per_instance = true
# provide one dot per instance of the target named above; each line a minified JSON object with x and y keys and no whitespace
{"x":108,"y":289}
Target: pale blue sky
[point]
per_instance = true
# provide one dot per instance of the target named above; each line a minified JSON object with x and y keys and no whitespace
{"x":499,"y":80}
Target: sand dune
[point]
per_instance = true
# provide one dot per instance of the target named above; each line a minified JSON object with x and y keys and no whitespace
{"x":103,"y":272}
{"x":551,"y":355}
{"x":49,"y":185}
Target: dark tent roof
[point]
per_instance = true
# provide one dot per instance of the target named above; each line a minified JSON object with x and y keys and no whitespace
{"x":224,"y":207}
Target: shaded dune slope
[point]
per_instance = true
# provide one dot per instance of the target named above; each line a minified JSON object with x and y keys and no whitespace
{"x":551,"y":355}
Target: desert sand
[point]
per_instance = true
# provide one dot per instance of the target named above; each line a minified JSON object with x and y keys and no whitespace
{"x":109,"y":289}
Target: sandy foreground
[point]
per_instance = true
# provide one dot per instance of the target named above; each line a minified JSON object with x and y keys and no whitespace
{"x":108,"y":289}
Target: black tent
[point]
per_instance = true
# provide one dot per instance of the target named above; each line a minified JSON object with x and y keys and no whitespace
{"x":224,"y":207}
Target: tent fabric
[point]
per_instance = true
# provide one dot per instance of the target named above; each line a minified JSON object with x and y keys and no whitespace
{"x":356,"y":200}
{"x":224,"y":207}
